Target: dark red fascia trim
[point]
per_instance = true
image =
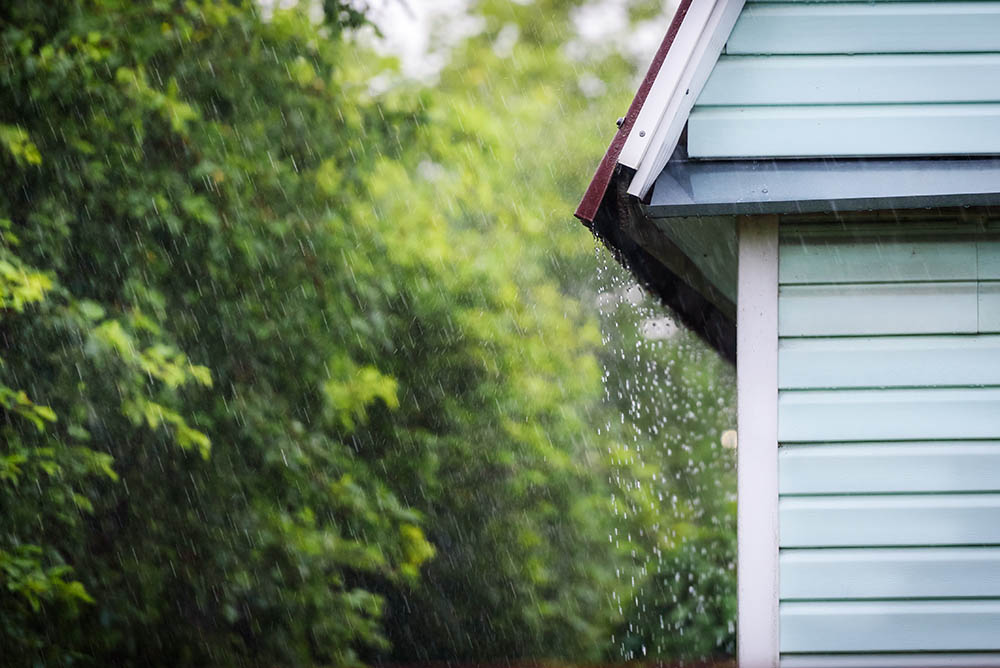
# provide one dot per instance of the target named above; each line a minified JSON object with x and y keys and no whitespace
{"x":591,"y":202}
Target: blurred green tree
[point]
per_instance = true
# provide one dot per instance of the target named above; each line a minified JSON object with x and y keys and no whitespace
{"x":188,"y":357}
{"x":516,"y":123}
{"x":296,"y":372}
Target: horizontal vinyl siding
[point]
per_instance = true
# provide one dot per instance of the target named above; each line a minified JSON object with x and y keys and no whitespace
{"x":989,"y":306}
{"x":844,"y":130}
{"x":887,"y":626}
{"x":889,"y":361}
{"x":879,"y":308}
{"x":867,"y":79}
{"x":895,"y":660}
{"x":890,"y":519}
{"x":889,"y":415}
{"x":890,"y":573}
{"x":801,"y":79}
{"x":890,"y":468}
{"x":856,"y":28}
{"x":889,"y":457}
{"x":875,"y":256}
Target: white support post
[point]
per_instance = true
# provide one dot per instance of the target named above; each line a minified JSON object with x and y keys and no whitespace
{"x":757,"y":444}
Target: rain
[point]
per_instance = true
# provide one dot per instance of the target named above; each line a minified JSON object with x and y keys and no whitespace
{"x":305,"y":361}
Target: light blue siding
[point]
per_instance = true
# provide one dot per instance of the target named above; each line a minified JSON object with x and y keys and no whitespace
{"x":894,"y":660}
{"x":871,"y":259}
{"x":877,"y":27}
{"x":888,"y":361}
{"x":891,"y":519}
{"x":884,"y":573}
{"x":845,"y":79}
{"x":844,"y":130}
{"x":989,"y":259}
{"x":989,"y":306}
{"x":882,"y":626}
{"x":889,"y":457}
{"x":879,"y":308}
{"x":889,"y":415}
{"x":839,"y":468}
{"x":867,"y":79}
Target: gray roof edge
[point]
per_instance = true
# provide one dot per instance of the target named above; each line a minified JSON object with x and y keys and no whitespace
{"x":789,"y":186}
{"x":821,"y":206}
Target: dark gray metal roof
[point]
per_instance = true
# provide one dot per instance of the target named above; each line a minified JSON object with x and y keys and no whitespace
{"x":720,"y":187}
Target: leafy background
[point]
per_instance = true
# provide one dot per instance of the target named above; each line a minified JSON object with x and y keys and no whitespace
{"x":296,"y":369}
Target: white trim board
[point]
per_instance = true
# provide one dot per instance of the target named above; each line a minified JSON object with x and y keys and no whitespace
{"x":667,"y":81}
{"x":677,"y":85}
{"x":923,"y":660}
{"x":757,"y":448}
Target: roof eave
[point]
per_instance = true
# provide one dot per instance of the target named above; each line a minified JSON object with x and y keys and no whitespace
{"x":661,"y":267}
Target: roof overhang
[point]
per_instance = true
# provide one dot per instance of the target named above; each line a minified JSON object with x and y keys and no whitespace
{"x":692,"y":199}
{"x":663,"y":267}
{"x":672,"y":220}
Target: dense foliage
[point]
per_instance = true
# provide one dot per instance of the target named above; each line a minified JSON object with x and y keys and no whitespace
{"x":294,"y":373}
{"x":677,"y":498}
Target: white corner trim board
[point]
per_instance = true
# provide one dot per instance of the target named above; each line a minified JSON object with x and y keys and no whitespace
{"x":688,"y":64}
{"x":667,"y":81}
{"x":757,"y":450}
